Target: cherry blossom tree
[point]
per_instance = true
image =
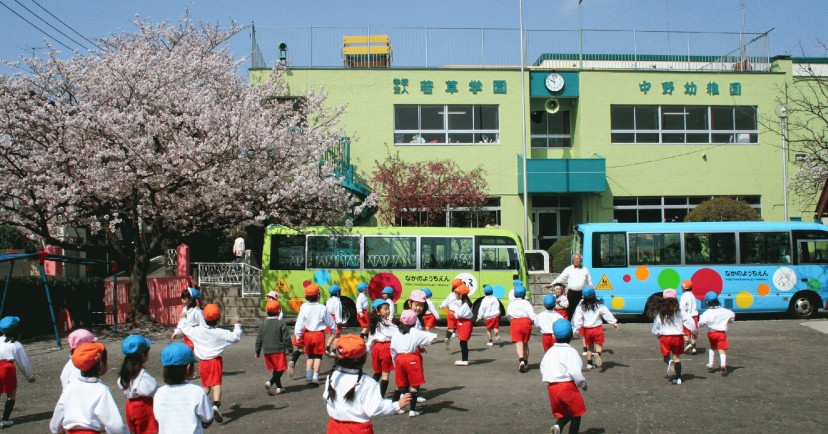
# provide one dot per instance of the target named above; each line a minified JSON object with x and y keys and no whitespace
{"x":156,"y":136}
{"x":419,"y":193}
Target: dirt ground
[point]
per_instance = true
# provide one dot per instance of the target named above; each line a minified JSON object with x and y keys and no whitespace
{"x":777,"y":384}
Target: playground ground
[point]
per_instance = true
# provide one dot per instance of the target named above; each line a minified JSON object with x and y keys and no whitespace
{"x":777,"y":383}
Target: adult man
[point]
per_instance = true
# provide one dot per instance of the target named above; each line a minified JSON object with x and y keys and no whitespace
{"x":575,"y":277}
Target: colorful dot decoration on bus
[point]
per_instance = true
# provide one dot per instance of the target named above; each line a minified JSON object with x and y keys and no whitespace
{"x":618,"y":303}
{"x":814,"y":284}
{"x":744,"y":300}
{"x":642,"y":273}
{"x":627,"y":278}
{"x":380,"y":281}
{"x":706,"y":280}
{"x":763,"y":289}
{"x":668,"y":278}
{"x":322,"y":277}
{"x":499,"y":291}
{"x":296,"y":304}
{"x":348,"y":281}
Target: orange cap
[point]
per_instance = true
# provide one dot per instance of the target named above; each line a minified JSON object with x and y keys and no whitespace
{"x":687,"y":284}
{"x":211,"y":312}
{"x":311,"y":290}
{"x":455,"y":283}
{"x":462,"y":290}
{"x":350,"y":347}
{"x":273,"y":306}
{"x":87,"y":355}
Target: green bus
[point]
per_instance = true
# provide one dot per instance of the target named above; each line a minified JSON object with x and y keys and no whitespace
{"x":404,"y":258}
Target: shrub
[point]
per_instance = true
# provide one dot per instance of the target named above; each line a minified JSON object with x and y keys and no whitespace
{"x":722,"y":209}
{"x":560,"y":254}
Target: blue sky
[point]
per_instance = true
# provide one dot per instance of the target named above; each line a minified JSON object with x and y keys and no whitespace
{"x":798,"y":24}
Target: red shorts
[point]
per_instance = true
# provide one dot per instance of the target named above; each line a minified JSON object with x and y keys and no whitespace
{"x":82,"y":431}
{"x":464,"y":328}
{"x":451,"y":321}
{"x":562,"y":312}
{"x":337,"y":427}
{"x":718,"y":340}
{"x":210,"y":371}
{"x":314,"y":342}
{"x":364,"y":319}
{"x":8,"y":376}
{"x":593,"y":335}
{"x":672,"y":344}
{"x":139,"y":416}
{"x":276,"y":362}
{"x":408,"y":370}
{"x":429,"y":321}
{"x":521,"y":329}
{"x":189,"y":343}
{"x":566,"y":400}
{"x":381,"y":357}
{"x":687,"y":331}
{"x":548,"y":340}
{"x":493,"y":323}
{"x":338,"y":326}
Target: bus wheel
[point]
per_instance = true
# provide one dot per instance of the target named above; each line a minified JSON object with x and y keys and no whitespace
{"x":804,"y":305}
{"x":349,"y":312}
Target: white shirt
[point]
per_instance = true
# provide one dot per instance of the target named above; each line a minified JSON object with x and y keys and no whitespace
{"x":392,"y":308}
{"x":367,"y":403}
{"x":575,"y":279}
{"x":687,"y":303}
{"x":716,"y":318}
{"x":385,"y":331}
{"x":512,"y":295}
{"x":141,"y":386}
{"x":545,"y":319}
{"x":313,"y":317}
{"x":408,"y":343}
{"x":70,"y":373}
{"x":562,"y":363}
{"x":674,"y":327}
{"x":449,"y":299}
{"x":195,"y":317}
{"x":461,"y":310}
{"x":431,"y":309}
{"x":520,"y":308}
{"x":87,"y":404}
{"x":334,"y":306}
{"x":238,"y":247}
{"x":14,"y":352}
{"x":591,"y":318}
{"x":489,"y":308}
{"x":361,"y":303}
{"x":561,"y":302}
{"x":210,"y":342}
{"x":181,"y":408}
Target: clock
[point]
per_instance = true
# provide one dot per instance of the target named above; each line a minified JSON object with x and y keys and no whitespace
{"x":554,"y":82}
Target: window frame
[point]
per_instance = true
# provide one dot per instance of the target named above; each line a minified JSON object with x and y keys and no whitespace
{"x":492,"y":136}
{"x":737,"y":135}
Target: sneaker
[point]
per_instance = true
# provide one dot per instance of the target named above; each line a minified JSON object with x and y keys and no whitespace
{"x":447,"y":343}
{"x":420,"y":400}
{"x":217,"y":414}
{"x":687,"y":347}
{"x":724,"y":371}
{"x":269,"y":390}
{"x":589,"y":366}
{"x":522,"y":367}
{"x":489,"y":344}
{"x":400,"y":411}
{"x":497,"y":339}
{"x":278,"y":390}
{"x":6,"y":423}
{"x":555,"y":429}
{"x":693,"y":350}
{"x":315,"y":380}
{"x":413,"y":413}
{"x":461,"y":363}
{"x":596,"y":359}
{"x":671,"y":369}
{"x":290,"y":368}
{"x":710,"y":366}
{"x":584,"y":353}
{"x":676,"y":380}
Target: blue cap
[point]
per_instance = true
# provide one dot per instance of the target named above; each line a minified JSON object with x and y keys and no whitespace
{"x":194,"y":292}
{"x":487,"y":289}
{"x":135,"y":344}
{"x":588,"y":292}
{"x":378,"y":302}
{"x":177,"y":354}
{"x":388,"y":290}
{"x":562,"y":329}
{"x":710,"y":296}
{"x":428,"y":292}
{"x":549,"y":301}
{"x":334,"y":289}
{"x":9,"y":323}
{"x":362,"y":286}
{"x":520,"y":291}
{"x":517,"y":282}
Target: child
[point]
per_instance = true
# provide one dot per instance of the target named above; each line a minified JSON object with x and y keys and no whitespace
{"x":379,"y":343}
{"x":489,"y":313}
{"x":363,"y":314}
{"x":451,"y":321}
{"x":417,"y":302}
{"x":462,"y":310}
{"x":716,"y":319}
{"x":192,"y":311}
{"x":70,"y":372}
{"x":334,"y":306}
{"x":273,"y":295}
{"x":138,"y":385}
{"x":86,"y":404}
{"x":11,"y":352}
{"x":431,"y":316}
{"x":561,"y":302}
{"x":545,"y":320}
{"x":408,"y":363}
{"x":588,"y":323}
{"x":180,"y":406}
{"x":688,"y":306}
{"x":522,"y":315}
{"x":561,"y":370}
{"x":668,"y":327}
{"x":209,"y":343}
{"x":515,"y":284}
{"x":351,"y":397}
{"x":310,"y":327}
{"x":274,"y":340}
{"x":388,"y":294}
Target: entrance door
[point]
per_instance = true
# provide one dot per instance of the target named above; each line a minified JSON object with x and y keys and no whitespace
{"x":547,"y":227}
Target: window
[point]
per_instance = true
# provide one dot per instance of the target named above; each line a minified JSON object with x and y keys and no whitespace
{"x":499,"y":258}
{"x":684,"y":124}
{"x":655,"y":249}
{"x":446,"y":253}
{"x":333,"y":251}
{"x":710,"y":248}
{"x":458,"y":217}
{"x":764,"y":248}
{"x":611,"y":248}
{"x":442,"y":124}
{"x":287,"y":252}
{"x":813,"y":252}
{"x":654,"y":209}
{"x":391,"y":252}
{"x":550,"y":130}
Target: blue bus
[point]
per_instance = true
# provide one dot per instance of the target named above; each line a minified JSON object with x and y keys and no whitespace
{"x":755,"y":267}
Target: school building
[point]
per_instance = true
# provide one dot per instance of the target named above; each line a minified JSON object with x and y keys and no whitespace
{"x":609,"y":137}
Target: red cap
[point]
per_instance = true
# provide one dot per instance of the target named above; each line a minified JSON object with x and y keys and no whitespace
{"x":87,"y":355}
{"x":212,"y":312}
{"x":455,"y":283}
{"x":687,"y":284}
{"x":462,"y":290}
{"x":311,"y":290}
{"x":350,"y":347}
{"x":273,"y":306}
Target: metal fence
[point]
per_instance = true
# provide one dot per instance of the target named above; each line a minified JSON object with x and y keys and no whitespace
{"x":231,"y":274}
{"x":321,"y":47}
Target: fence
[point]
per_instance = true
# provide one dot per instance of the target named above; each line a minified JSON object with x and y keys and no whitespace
{"x":164,"y":299}
{"x":231,"y":274}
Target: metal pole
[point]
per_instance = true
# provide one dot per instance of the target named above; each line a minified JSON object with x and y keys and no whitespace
{"x":783,"y":120}
{"x":523,"y":130}
{"x":49,"y":301}
{"x":6,"y":291}
{"x":580,"y":35}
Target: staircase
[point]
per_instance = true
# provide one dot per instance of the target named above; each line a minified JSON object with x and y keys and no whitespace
{"x":340,"y":156}
{"x":235,"y":287}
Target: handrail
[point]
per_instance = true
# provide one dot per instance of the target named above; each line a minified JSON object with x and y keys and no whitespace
{"x":231,"y":274}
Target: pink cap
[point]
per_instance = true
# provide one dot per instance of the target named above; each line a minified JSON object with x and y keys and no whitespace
{"x":408,"y":317}
{"x":273,"y":294}
{"x":669,"y":293}
{"x":80,"y":336}
{"x":418,"y":296}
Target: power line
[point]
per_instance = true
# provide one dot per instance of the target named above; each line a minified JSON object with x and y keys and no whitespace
{"x":35,"y":26}
{"x":67,"y":25}
{"x":50,"y":25}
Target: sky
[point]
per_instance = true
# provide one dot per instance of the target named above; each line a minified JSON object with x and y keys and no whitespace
{"x":798,"y":24}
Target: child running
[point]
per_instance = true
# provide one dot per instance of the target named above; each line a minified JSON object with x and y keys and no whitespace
{"x":489,"y":313}
{"x":667,"y":325}
{"x":561,"y":370}
{"x":687,"y":303}
{"x":351,"y":397}
{"x":191,"y":311}
{"x":310,"y":327}
{"x":11,"y":353}
{"x":138,"y":385}
{"x":274,"y":340}
{"x":334,"y":306}
{"x":408,"y":363}
{"x":462,"y":310}
{"x":181,"y":407}
{"x":210,"y":343}
{"x":76,"y":338}
{"x":545,"y":320}
{"x":362,"y":310}
{"x":521,"y":316}
{"x":431,"y":316}
{"x":451,"y":320}
{"x":588,"y":322}
{"x":86,"y":405}
{"x":273,"y":295}
{"x":716,"y":318}
{"x":379,"y":343}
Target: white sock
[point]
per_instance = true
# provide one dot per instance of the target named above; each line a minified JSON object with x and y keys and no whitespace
{"x":308,"y":373}
{"x":723,"y":359}
{"x":315,"y":375}
{"x":709,"y":357}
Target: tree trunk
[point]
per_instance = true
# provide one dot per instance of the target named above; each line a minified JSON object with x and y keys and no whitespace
{"x":139,"y":294}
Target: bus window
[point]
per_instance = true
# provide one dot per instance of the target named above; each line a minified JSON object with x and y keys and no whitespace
{"x":287,"y":252}
{"x":391,"y":252}
{"x":655,"y":249}
{"x":813,"y":252}
{"x":710,"y":248}
{"x":446,"y":253}
{"x":499,"y":258}
{"x":611,"y":248}
{"x":764,"y":248}
{"x":333,"y":251}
